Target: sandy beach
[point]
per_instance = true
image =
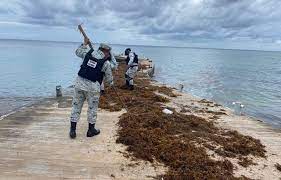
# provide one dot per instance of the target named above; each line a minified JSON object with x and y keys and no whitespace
{"x":35,"y":144}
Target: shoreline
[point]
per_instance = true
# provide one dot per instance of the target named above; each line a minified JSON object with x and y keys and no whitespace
{"x":69,"y":88}
{"x":255,"y":118}
{"x":37,"y":100}
{"x":249,"y":126}
{"x":12,"y":111}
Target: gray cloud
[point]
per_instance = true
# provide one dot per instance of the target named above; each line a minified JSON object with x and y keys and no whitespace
{"x":159,"y":19}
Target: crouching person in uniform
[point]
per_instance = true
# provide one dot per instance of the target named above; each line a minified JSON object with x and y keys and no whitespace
{"x":87,"y":86}
{"x":132,"y":68}
{"x":113,"y":65}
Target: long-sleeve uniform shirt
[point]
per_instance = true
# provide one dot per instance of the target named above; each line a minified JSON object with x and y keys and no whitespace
{"x":85,"y":84}
{"x":113,"y":62}
{"x":132,"y":69}
{"x":131,"y":61}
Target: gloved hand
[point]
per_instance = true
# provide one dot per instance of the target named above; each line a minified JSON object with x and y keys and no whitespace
{"x":86,"y":41}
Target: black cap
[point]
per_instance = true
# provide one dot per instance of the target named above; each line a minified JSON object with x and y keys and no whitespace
{"x":127,"y":51}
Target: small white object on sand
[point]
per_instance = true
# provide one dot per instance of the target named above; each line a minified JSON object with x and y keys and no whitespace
{"x":167,"y":111}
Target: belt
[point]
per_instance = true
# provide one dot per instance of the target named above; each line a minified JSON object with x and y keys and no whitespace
{"x":134,"y":65}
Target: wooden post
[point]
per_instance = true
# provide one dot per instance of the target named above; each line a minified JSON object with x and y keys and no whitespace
{"x":58,"y":91}
{"x":181,"y":87}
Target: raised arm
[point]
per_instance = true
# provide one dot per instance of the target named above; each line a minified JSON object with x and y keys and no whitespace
{"x":113,"y":62}
{"x":82,"y":50}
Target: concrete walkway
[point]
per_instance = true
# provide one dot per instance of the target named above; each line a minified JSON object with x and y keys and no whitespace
{"x":34,"y":144}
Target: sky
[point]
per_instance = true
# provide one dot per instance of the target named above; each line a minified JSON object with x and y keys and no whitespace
{"x":233,"y":24}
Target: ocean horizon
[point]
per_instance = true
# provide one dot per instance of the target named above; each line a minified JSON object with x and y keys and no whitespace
{"x":96,"y":43}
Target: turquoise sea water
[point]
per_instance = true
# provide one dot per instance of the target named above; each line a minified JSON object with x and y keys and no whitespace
{"x":30,"y":70}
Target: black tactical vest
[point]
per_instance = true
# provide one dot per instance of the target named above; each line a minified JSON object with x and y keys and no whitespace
{"x":91,"y":68}
{"x":136,"y":59}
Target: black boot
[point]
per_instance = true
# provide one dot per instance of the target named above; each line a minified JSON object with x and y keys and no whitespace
{"x":127,"y":82}
{"x":72,"y":132}
{"x":131,"y":87}
{"x":92,"y":131}
{"x":126,"y":86}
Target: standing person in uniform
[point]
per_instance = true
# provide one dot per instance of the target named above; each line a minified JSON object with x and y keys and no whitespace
{"x":113,"y":65}
{"x":87,"y":86}
{"x":132,"y":68}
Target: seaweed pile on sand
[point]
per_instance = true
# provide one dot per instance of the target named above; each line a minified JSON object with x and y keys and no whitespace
{"x":186,"y":144}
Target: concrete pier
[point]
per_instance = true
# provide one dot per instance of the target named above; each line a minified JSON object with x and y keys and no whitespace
{"x":34,"y":144}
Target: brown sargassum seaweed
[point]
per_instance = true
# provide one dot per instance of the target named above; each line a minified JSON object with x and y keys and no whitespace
{"x":179,"y":141}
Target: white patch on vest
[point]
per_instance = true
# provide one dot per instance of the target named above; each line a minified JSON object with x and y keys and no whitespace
{"x":92,"y":63}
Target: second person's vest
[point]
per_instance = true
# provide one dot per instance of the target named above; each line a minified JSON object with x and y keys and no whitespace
{"x":135,"y":61}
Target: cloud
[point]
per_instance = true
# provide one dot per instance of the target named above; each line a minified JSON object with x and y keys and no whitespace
{"x":179,"y":20}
